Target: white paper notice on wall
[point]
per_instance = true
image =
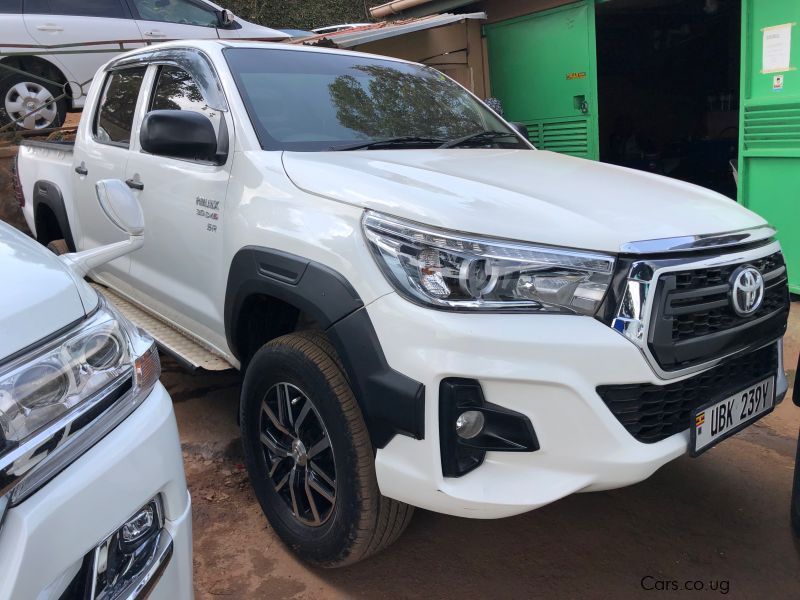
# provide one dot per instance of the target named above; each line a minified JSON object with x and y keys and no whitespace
{"x":777,"y":54}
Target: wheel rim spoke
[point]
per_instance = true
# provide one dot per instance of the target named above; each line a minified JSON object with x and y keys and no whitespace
{"x":22,"y":90}
{"x":272,"y":417}
{"x":14,"y":107}
{"x":321,"y":489}
{"x":282,"y":482}
{"x":321,"y":445}
{"x":311,"y":503}
{"x":29,"y":122}
{"x":302,"y":416}
{"x":292,"y":484}
{"x":273,"y":446}
{"x":321,"y":474}
{"x":289,"y":422}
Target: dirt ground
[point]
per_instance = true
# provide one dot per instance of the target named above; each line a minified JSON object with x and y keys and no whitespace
{"x":720,"y":520}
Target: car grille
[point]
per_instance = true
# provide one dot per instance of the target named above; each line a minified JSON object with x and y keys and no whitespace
{"x":693,"y":321}
{"x":651,"y":413}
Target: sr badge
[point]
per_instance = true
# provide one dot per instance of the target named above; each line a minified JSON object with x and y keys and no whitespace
{"x":747,"y":290}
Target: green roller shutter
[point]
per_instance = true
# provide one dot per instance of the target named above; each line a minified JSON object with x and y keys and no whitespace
{"x":543,"y":68}
{"x":769,"y":147}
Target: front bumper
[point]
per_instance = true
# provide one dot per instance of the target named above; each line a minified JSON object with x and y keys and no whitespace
{"x":44,"y":540}
{"x":546,"y":367}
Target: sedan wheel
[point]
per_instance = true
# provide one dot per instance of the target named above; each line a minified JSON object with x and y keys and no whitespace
{"x":26,"y":96}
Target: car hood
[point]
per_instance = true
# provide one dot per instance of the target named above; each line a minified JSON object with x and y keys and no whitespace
{"x":41,"y":296}
{"x":528,"y":195}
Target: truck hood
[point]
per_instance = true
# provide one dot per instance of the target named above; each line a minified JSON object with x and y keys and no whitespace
{"x":527,"y":195}
{"x":40,"y":294}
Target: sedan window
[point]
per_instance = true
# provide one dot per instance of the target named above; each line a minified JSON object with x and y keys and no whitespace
{"x":182,"y":12}
{"x":110,"y":9}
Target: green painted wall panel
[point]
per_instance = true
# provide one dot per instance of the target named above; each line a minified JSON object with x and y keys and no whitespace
{"x":543,"y":68}
{"x":769,"y":146}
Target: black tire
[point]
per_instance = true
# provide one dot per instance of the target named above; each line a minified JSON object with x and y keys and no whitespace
{"x":360,"y":521}
{"x":59,"y":107}
{"x":58,"y":247}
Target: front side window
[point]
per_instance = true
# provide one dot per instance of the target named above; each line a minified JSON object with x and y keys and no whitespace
{"x":115,"y":112}
{"x":10,"y":7}
{"x":183,"y":12}
{"x":176,"y":90}
{"x":312,"y":101}
{"x":110,"y":9}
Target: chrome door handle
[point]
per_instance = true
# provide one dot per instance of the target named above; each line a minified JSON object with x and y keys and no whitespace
{"x":155,"y":33}
{"x":134,"y":185}
{"x":49,"y":27}
{"x":81,"y":169}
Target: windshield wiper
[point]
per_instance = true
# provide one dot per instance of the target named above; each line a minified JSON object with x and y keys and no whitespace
{"x":401,"y":140}
{"x":481,"y":136}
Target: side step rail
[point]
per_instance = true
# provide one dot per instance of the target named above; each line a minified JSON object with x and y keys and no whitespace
{"x":171,"y":341}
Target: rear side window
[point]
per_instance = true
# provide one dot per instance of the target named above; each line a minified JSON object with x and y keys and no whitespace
{"x":183,"y":12}
{"x":176,"y":90}
{"x":110,"y":9}
{"x":10,"y":7}
{"x":114,"y":119}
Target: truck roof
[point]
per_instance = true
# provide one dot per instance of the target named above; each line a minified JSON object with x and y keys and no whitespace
{"x":214,"y":46}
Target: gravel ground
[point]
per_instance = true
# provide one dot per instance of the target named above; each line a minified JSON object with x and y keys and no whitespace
{"x":720,"y":520}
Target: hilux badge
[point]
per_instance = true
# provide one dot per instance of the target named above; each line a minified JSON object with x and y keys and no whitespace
{"x":747,"y":290}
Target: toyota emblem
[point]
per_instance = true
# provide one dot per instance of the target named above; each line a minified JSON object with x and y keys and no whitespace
{"x":747,"y":290}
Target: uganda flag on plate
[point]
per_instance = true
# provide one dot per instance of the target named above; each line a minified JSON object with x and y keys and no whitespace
{"x":699,"y":420}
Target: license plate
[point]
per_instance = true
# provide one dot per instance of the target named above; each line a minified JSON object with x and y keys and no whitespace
{"x":722,"y":418}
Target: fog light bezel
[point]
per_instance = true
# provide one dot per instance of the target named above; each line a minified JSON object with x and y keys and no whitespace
{"x":504,"y":430}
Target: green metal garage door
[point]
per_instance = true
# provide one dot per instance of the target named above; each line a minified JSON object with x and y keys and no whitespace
{"x":543,"y":68}
{"x":769,"y":165}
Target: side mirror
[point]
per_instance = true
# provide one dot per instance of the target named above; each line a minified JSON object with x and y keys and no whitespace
{"x":521,"y":129}
{"x":225,"y":18}
{"x":123,"y":210}
{"x":179,"y":134}
{"x":121,"y":206}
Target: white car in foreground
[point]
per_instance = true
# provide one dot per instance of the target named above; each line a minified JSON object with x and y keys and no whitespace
{"x":93,"y":499}
{"x":428,"y":311}
{"x":86,"y":35}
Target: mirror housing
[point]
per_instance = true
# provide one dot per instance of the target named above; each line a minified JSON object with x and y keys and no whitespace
{"x":225,"y":18}
{"x":521,"y":129}
{"x":120,"y":206}
{"x":123,"y":209}
{"x":179,"y":134}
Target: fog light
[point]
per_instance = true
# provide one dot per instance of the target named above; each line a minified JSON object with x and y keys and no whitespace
{"x":139,"y":525}
{"x":469,"y":424}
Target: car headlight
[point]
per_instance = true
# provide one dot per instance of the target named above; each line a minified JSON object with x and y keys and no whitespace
{"x":53,"y":395}
{"x":450,"y":270}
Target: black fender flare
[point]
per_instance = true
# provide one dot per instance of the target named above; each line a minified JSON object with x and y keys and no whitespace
{"x":391,"y":402}
{"x":47,"y":193}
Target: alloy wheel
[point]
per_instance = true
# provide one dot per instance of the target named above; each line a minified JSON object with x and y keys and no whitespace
{"x":298,"y":454}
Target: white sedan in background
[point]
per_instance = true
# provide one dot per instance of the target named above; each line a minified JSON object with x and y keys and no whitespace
{"x":93,"y":498}
{"x":39,"y":80}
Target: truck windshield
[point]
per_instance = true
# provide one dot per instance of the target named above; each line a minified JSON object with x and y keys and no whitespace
{"x":314,"y":101}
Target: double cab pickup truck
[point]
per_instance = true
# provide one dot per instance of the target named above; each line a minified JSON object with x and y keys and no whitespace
{"x":427,"y":310}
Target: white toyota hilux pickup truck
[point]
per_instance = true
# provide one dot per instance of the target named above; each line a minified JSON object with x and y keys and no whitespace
{"x":93,"y":499}
{"x":427,"y":310}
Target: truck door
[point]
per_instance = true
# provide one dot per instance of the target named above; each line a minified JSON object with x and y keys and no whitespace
{"x":179,"y":272}
{"x":769,"y":132}
{"x":543,"y":70}
{"x":101,"y":152}
{"x":57,"y":22}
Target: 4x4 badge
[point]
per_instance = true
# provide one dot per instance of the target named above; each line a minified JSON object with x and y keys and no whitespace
{"x":747,"y":290}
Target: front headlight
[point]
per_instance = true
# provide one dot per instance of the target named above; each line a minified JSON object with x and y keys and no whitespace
{"x":52,"y":395}
{"x":450,"y":270}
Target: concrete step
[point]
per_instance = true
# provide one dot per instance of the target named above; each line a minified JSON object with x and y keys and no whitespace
{"x":169,"y":339}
